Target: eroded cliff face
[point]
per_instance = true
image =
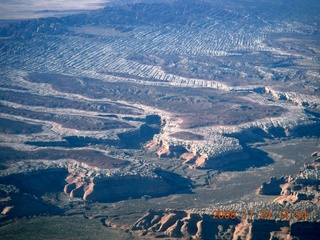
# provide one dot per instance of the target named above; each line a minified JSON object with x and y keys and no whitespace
{"x":294,"y":214}
{"x":174,"y":224}
{"x":296,"y":98}
{"x":209,"y":147}
{"x":115,"y":188}
{"x":305,"y":186}
{"x":37,"y":181}
{"x":272,"y":187}
{"x":78,"y":180}
{"x":195,"y":153}
{"x":23,"y":186}
{"x":16,"y":203}
{"x":183,"y":224}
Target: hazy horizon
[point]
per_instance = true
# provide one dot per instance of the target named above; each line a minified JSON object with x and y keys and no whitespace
{"x":22,"y":9}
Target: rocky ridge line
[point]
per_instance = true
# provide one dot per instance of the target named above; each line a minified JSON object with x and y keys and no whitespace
{"x":91,"y":183}
{"x":221,"y":141}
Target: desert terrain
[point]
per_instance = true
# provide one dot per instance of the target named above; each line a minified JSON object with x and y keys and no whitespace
{"x":171,"y":120}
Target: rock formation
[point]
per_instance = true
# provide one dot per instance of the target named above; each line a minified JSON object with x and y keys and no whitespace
{"x":272,"y":187}
{"x":230,"y":142}
{"x":296,"y":98}
{"x":302,"y":187}
{"x":15,"y":203}
{"x":37,"y":181}
{"x":190,"y":225}
{"x":293,"y":215}
{"x":115,"y":188}
{"x":197,"y":153}
{"x":183,"y":224}
{"x":93,"y":184}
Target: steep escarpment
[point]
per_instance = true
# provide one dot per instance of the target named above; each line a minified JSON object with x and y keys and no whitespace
{"x":292,"y":189}
{"x":183,"y":224}
{"x":91,"y":183}
{"x":208,"y":124}
{"x":16,"y":203}
{"x":37,"y":182}
{"x":190,"y":224}
{"x":296,"y":98}
{"x":134,"y":139}
{"x":196,"y":153}
{"x":292,"y":215}
{"x":23,"y":186}
{"x":272,"y":187}
{"x":117,"y":187}
{"x":218,"y":146}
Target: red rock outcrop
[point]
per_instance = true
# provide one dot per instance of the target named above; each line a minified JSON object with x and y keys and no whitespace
{"x":197,"y":158}
{"x":164,"y":152}
{"x":183,"y":224}
{"x":315,"y":154}
{"x":188,"y":158}
{"x":188,"y":225}
{"x":106,"y":189}
{"x":109,"y":186}
{"x":305,"y":186}
{"x":242,"y":231}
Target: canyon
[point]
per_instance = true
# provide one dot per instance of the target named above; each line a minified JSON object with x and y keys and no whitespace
{"x":142,"y":119}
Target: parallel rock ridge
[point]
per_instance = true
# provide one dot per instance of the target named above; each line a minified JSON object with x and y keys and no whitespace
{"x":203,"y":81}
